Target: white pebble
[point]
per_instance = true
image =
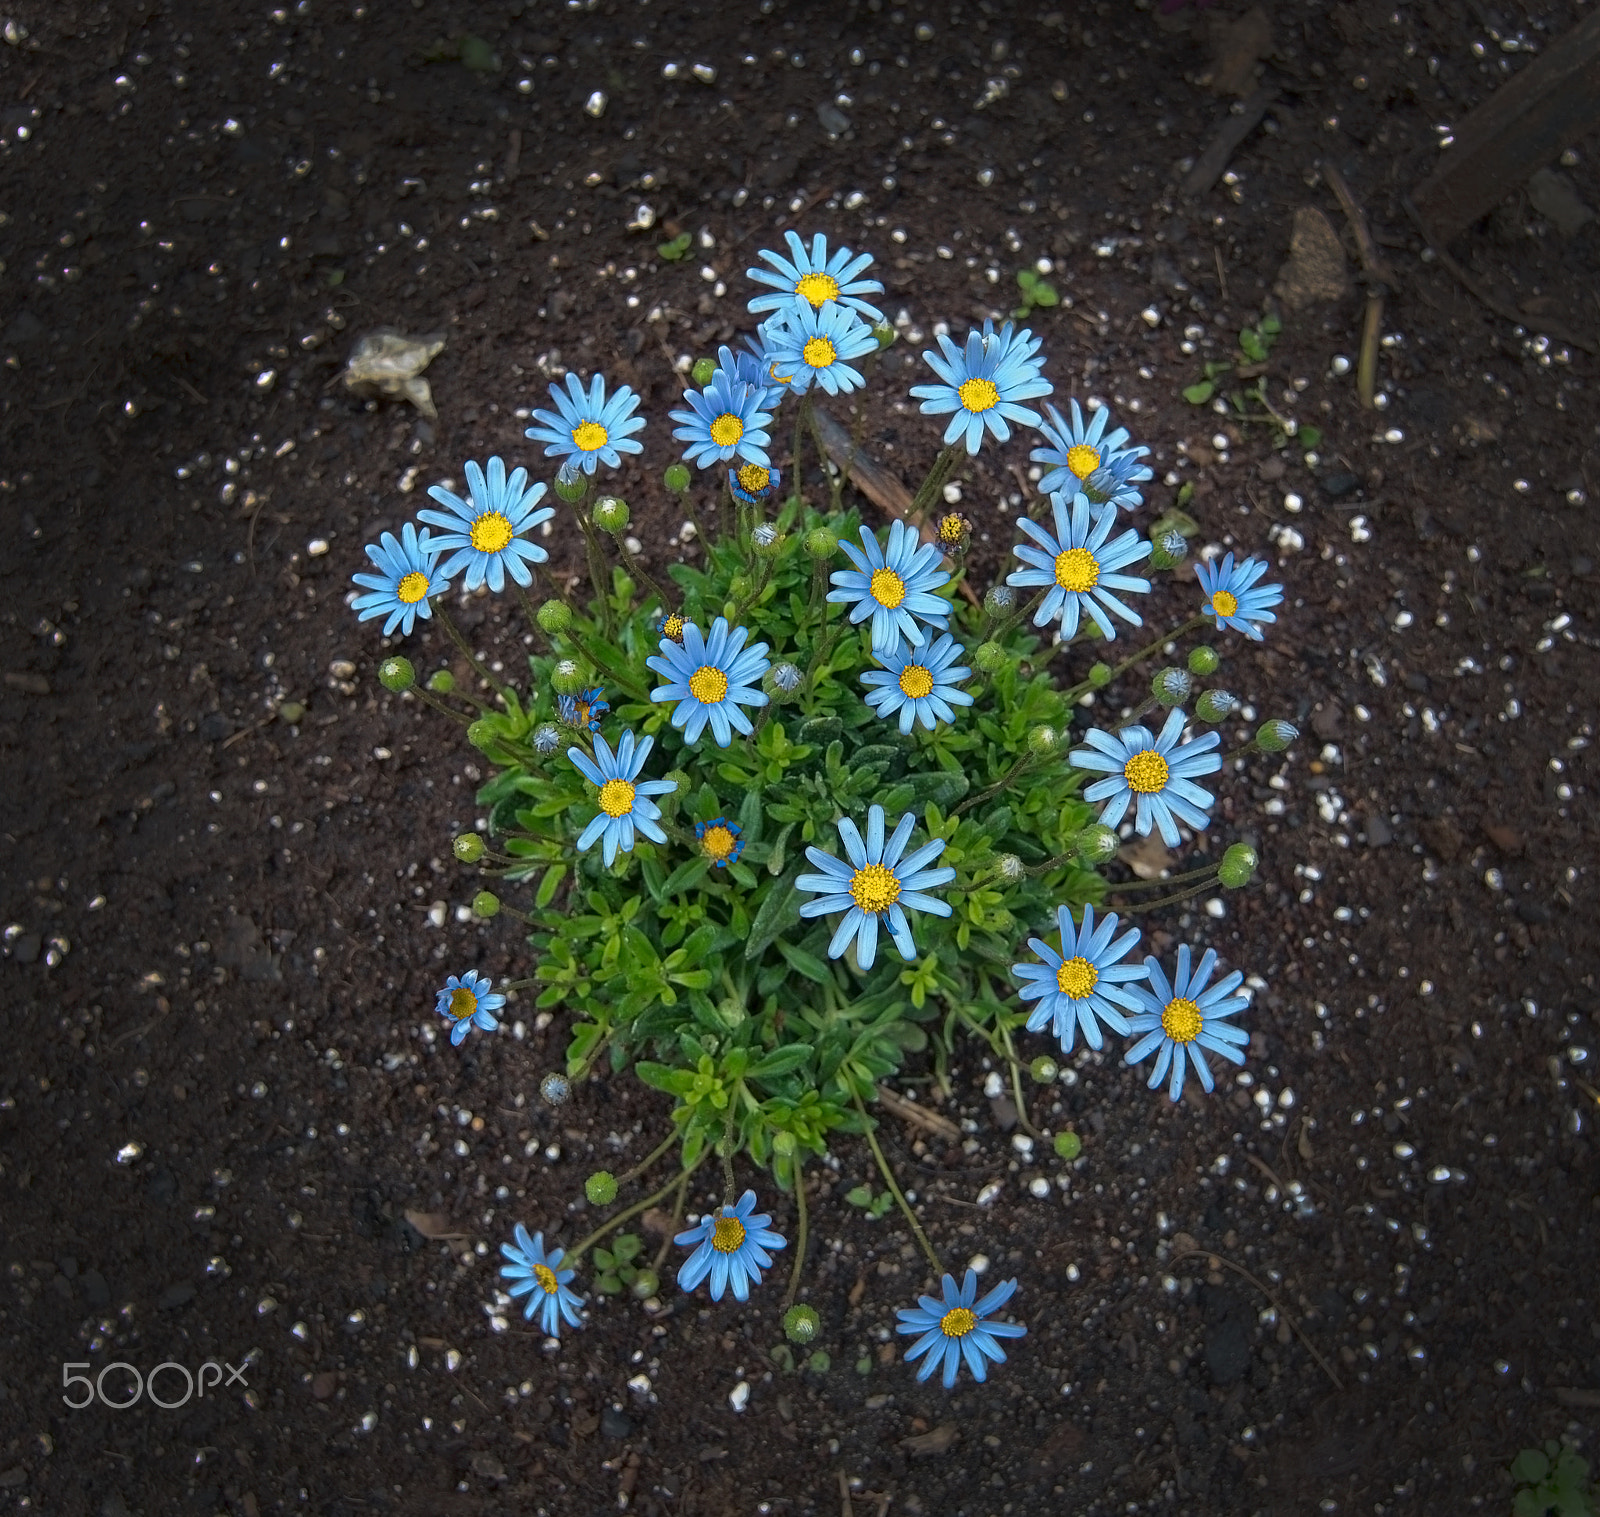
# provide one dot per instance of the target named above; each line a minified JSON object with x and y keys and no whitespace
{"x":1039,"y":1187}
{"x":993,"y":1084}
{"x":1340,"y":364}
{"x":990,"y":1193}
{"x":1022,"y":1142}
{"x":978,"y":1264}
{"x":739,"y":1396}
{"x":952,"y":494}
{"x":317,"y":547}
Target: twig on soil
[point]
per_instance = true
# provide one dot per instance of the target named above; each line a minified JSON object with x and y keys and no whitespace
{"x":909,"y":1111}
{"x":1378,"y":279}
{"x":1269,"y":1172}
{"x":1209,"y":165}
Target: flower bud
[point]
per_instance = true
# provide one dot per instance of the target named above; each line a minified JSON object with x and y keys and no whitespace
{"x":572,"y":485}
{"x":554,"y":616}
{"x":1215,"y":706}
{"x":1009,"y":867}
{"x":990,"y":658}
{"x":703,"y":372}
{"x":1068,"y":1145}
{"x":555,"y":1089}
{"x":885,"y":334}
{"x":1238,"y":866}
{"x":1098,"y":844}
{"x":396,"y":674}
{"x":645,"y":1284}
{"x":781,"y":680}
{"x":1168,"y":549}
{"x":785,"y":1144}
{"x":765,"y":539}
{"x":801,"y":1324}
{"x":821,"y":544}
{"x":441,"y":682}
{"x":611,"y":514}
{"x":1044,"y":1069}
{"x":483,"y":735}
{"x":1276,"y":735}
{"x":676,"y":478}
{"x":954,"y":532}
{"x":468,"y":847}
{"x":601,"y":1188}
{"x":1100,"y":675}
{"x":486,"y":904}
{"x":999,"y":600}
{"x":1043,"y":740}
{"x":1204,"y":661}
{"x":740,"y":587}
{"x":1171,"y":687}
{"x":568,"y":677}
{"x":546,"y":738}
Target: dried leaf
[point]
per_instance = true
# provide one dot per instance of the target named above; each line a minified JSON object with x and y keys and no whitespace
{"x":432,"y":1224}
{"x":389,"y":362}
{"x":1237,"y":46}
{"x":1147,"y":858}
{"x":1315,"y":268}
{"x":922,"y":1445}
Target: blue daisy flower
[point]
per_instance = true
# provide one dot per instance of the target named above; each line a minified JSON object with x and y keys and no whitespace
{"x":754,"y":483}
{"x":588,"y":430}
{"x":1234,"y":597}
{"x":724,"y":421}
{"x":710,"y":679}
{"x":1184,"y":1017}
{"x":983,"y":384}
{"x":1083,"y":985}
{"x":466,"y":1001}
{"x":1076,"y":451}
{"x":877,"y":883}
{"x":893,"y":586}
{"x":753,"y":368}
{"x":1154,"y":773}
{"x":1114,"y":484}
{"x":955,"y":1328}
{"x":540,"y":1277}
{"x":495,"y":514}
{"x":583,"y":710}
{"x":733,"y":1243}
{"x":761,"y":354}
{"x":720,"y":841}
{"x":817,"y":347}
{"x":408,"y":576}
{"x":922,"y":684}
{"x":1080,"y":567}
{"x":815,"y":277}
{"x":625,"y":804}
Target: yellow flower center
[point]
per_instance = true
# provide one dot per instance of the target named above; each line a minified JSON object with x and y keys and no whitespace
{"x":462,"y":1003}
{"x":546,"y":1278}
{"x":775,"y":376}
{"x":874,"y":888}
{"x":1181,"y":1021}
{"x":952,"y":529}
{"x":412,"y":588}
{"x":616,"y":797}
{"x":915,"y":681}
{"x":1146,"y":772}
{"x":887,"y":588}
{"x":818,"y":288}
{"x":1078,"y":570}
{"x":673,"y":627}
{"x":979,"y":395}
{"x":958,"y":1322}
{"x":490,"y":532}
{"x":1224,"y":604}
{"x":718,"y":844}
{"x":1076,"y":978}
{"x":726,"y":430}
{"x":1082,"y":460}
{"x":727,"y":1237}
{"x":754,"y":478}
{"x":819,"y":352}
{"x":589,"y":436}
{"x":708,"y":685}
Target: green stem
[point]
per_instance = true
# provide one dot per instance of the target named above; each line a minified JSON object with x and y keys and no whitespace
{"x":1171,"y":880}
{"x":933,"y":482}
{"x":650,"y":1158}
{"x":1071,"y":696}
{"x":620,"y":677}
{"x":803,"y":1235}
{"x":640,"y":574}
{"x":677,"y":1216}
{"x":894,"y":1187}
{"x":1000,"y":784}
{"x":597,"y":565}
{"x":454,"y":634}
{"x":1016,"y":1084}
{"x":796,"y":457}
{"x":631,"y":1212}
{"x":823,"y":651}
{"x":430,"y":699}
{"x":1171,"y":900}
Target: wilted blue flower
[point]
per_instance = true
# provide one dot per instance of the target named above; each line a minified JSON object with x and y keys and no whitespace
{"x":1082,"y":983}
{"x":624,"y":797}
{"x":818,"y":347}
{"x":1080,"y":567}
{"x":589,"y":429}
{"x":540,"y":1277}
{"x":921,"y":684}
{"x":815,"y":277}
{"x":724,"y":421}
{"x":753,"y":483}
{"x":733,"y":1243}
{"x":486,"y":529}
{"x":1234,"y":598}
{"x":983,"y":383}
{"x":955,"y":1328}
{"x":466,"y":1002}
{"x":1078,"y":449}
{"x":1153,"y":773}
{"x":710,"y":678}
{"x":407,"y":577}
{"x":1184,"y":1017}
{"x":584,"y":709}
{"x":893,"y":586}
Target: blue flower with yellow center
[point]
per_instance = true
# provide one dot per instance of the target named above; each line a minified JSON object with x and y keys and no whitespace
{"x":1080,"y":567}
{"x":407,"y":576}
{"x":1234,"y":598}
{"x":983,"y":383}
{"x":466,"y":1003}
{"x":958,"y":1328}
{"x":753,"y":483}
{"x":877,"y":885}
{"x":625,"y":804}
{"x":724,"y":421}
{"x":710,"y":679}
{"x":815,"y":277}
{"x":486,"y":529}
{"x":539,"y":1276}
{"x":1082,"y":985}
{"x":1185,"y":1016}
{"x":817,"y":347}
{"x":894,"y":586}
{"x":586,"y":429}
{"x":720,"y":841}
{"x":1078,"y":450}
{"x":732,"y":1248}
{"x":583,"y":710}
{"x":921,"y":684}
{"x":1153,"y":774}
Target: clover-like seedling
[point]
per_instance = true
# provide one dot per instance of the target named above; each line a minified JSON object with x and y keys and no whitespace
{"x":1036,"y":292}
{"x":1553,"y":1479}
{"x":677,"y":249}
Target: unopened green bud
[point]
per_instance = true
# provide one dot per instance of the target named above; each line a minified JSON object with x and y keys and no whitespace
{"x":1100,"y":675}
{"x":785,"y":1144}
{"x":1168,"y":549}
{"x":990,"y":658}
{"x":396,"y":674}
{"x":740,"y":587}
{"x":486,"y":904}
{"x":554,"y":617}
{"x":1044,"y":1069}
{"x":782,"y":680}
{"x":801,"y":1324}
{"x":1171,"y":687}
{"x":821,"y":544}
{"x":703,"y":372}
{"x":483,"y":735}
{"x":555,"y":1088}
{"x":601,"y":1188}
{"x":290,"y":712}
{"x":1068,"y":1145}
{"x":568,"y":677}
{"x":1276,"y":735}
{"x":611,"y":514}
{"x":885,"y":334}
{"x":1098,"y":844}
{"x":1238,"y":866}
{"x":766,"y":539}
{"x":1009,"y":867}
{"x":999,"y":600}
{"x":572,"y":485}
{"x":1204,"y":661}
{"x":441,"y":682}
{"x":1215,"y":706}
{"x":1043,"y":740}
{"x":645,"y":1284}
{"x":676,"y":478}
{"x":468,"y":847}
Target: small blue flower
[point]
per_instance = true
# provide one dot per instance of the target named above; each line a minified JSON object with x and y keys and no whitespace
{"x":1079,"y":985}
{"x":724,"y":421}
{"x":495,"y":514}
{"x":467,"y":1002}
{"x":752,"y":368}
{"x":1234,"y":597}
{"x":1078,"y":450}
{"x":710,"y":678}
{"x":407,"y":577}
{"x":919,"y":683}
{"x":1080,"y":567}
{"x":983,"y":384}
{"x":720,"y":841}
{"x":733,"y":1248}
{"x":1156,"y":773}
{"x":876,"y":884}
{"x":1113,"y":484}
{"x":955,"y":1328}
{"x":893,"y":586}
{"x":1184,"y":1017}
{"x":815,"y":277}
{"x":583,"y":710}
{"x":753,"y":483}
{"x":587,"y":429}
{"x":817,"y":347}
{"x":624,"y":797}
{"x":540,"y":1277}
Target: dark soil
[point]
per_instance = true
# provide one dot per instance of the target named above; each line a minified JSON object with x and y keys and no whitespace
{"x":221,"y":952}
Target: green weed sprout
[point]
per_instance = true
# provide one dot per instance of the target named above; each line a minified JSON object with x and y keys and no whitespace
{"x":1553,"y":1479}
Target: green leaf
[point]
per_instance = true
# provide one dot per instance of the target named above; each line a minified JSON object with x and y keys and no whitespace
{"x":1045,"y":295}
{"x":1529,"y":1504}
{"x":779,"y":911}
{"x":548,"y":886}
{"x":1271,"y":325}
{"x":1199,"y":394}
{"x":780,"y":1061}
{"x":807,"y":964}
{"x":1529,"y":1467}
{"x":677,"y":248}
{"x":1309,"y":437}
{"x":1251,"y":345}
{"x":663,"y":1077}
{"x":860,"y":1195}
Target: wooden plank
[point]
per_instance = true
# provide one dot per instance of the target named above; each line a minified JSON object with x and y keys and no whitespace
{"x":1525,"y":125}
